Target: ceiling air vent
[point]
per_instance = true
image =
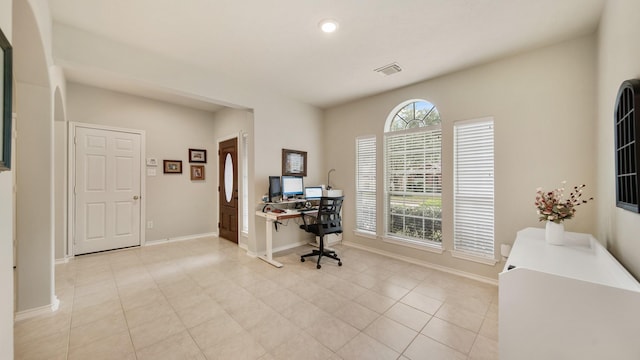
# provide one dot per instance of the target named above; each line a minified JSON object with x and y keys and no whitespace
{"x":389,"y":69}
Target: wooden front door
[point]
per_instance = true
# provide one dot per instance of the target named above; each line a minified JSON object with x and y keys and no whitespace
{"x":228,"y":189}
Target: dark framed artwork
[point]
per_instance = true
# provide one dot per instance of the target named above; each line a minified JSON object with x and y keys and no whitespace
{"x":197,"y":156}
{"x":294,"y":162}
{"x":172,"y":166}
{"x":197,"y":172}
{"x":6,"y":91}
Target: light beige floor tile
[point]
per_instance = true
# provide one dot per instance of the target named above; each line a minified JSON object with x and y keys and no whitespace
{"x":390,"y":290}
{"x":274,"y":330}
{"x":145,"y":313}
{"x":103,"y":288}
{"x":458,"y":338}
{"x":347,"y":289}
{"x":117,"y":346}
{"x":175,"y":289}
{"x":249,"y":312}
{"x":484,"y":349}
{"x":460,"y":316}
{"x":280,"y":300}
{"x":84,"y":302}
{"x":408,"y":316}
{"x":391,"y":333}
{"x":178,"y":346}
{"x":141,"y":298}
{"x":375,"y":301}
{"x":364,"y":347}
{"x":329,"y":301}
{"x":82,"y":316}
{"x":28,"y":331}
{"x":50,"y":347}
{"x":240,"y":347}
{"x":96,"y":330}
{"x":302,"y":346}
{"x":403,"y":280}
{"x":159,"y":328}
{"x":332,"y":332}
{"x":356,"y":315}
{"x":423,"y":347}
{"x":304,"y":314}
{"x":200,"y":312}
{"x":216,"y":331}
{"x":422,"y":303}
{"x":489,"y":328}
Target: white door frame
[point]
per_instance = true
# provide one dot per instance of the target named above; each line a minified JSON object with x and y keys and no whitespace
{"x":71,"y":208}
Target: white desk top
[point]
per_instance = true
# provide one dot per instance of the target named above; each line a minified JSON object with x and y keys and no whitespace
{"x":581,"y":258}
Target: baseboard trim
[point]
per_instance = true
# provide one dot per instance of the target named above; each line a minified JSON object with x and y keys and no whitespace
{"x":180,"y":238}
{"x":426,"y":264}
{"x":64,"y":260}
{"x":42,"y":310}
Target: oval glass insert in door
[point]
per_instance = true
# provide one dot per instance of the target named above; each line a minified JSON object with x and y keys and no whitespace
{"x":228,"y":177}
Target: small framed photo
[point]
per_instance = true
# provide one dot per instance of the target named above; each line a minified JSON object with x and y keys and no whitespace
{"x":172,"y":166}
{"x":197,"y":172}
{"x":197,"y":156}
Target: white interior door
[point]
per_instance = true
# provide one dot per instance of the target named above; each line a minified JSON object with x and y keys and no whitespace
{"x":107,"y":190}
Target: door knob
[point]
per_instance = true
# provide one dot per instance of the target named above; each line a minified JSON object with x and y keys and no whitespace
{"x":136,"y":197}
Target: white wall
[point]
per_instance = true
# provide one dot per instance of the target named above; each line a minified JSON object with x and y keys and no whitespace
{"x":177,"y":206}
{"x":543,"y":104}
{"x":6,"y":228}
{"x":618,"y":60}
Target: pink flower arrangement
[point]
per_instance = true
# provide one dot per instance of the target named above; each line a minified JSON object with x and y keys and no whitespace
{"x":552,"y":206}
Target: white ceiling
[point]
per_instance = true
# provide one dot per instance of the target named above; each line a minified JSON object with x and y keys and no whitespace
{"x":278,"y":42}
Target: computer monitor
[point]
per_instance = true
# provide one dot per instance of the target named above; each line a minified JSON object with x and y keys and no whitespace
{"x":313,"y":192}
{"x":275,"y":189}
{"x":292,"y":185}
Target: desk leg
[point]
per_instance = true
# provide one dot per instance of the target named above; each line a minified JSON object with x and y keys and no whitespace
{"x":269,"y":257}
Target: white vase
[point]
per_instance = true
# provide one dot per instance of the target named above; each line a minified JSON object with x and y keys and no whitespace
{"x":554,"y":233}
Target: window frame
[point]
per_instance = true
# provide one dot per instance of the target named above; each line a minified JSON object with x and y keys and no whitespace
{"x":390,"y":133}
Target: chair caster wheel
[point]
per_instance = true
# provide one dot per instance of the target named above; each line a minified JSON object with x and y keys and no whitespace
{"x":318,"y":266}
{"x":339,"y":263}
{"x":301,"y":259}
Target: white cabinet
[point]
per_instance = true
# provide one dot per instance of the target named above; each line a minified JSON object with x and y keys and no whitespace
{"x":567,"y":302}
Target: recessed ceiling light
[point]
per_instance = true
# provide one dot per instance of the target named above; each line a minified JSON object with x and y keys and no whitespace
{"x":328,"y":25}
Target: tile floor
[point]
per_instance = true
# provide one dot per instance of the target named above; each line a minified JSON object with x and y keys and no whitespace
{"x":206,"y":299}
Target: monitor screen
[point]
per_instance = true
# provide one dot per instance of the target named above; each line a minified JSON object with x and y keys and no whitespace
{"x":292,"y":185}
{"x":313,"y":193}
{"x":275,"y":190}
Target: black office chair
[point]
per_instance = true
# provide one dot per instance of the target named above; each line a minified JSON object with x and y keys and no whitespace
{"x":326,"y":221}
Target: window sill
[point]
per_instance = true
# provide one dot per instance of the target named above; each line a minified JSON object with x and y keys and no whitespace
{"x":414,"y":244}
{"x":474,"y":258}
{"x":365,"y":234}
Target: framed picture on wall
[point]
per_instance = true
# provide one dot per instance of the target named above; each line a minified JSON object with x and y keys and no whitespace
{"x":197,"y":156}
{"x":294,"y":162}
{"x":172,"y":166}
{"x":197,"y":172}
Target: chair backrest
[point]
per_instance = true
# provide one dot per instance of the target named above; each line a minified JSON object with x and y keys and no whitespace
{"x":329,"y":220}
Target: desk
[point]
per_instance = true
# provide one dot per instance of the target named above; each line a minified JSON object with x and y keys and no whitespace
{"x":270,"y":218}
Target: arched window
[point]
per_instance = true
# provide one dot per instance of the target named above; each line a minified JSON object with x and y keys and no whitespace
{"x":413,"y":173}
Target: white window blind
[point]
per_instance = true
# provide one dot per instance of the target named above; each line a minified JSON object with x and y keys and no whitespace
{"x":473,"y":208}
{"x":366,"y":184}
{"x":413,"y":179}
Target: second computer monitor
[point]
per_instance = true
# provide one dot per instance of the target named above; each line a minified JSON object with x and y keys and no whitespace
{"x":313,"y":192}
{"x":292,"y":185}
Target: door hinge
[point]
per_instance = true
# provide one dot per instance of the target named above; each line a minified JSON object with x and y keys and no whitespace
{"x":218,"y":152}
{"x":218,"y":188}
{"x":218,"y":225}
{"x":75,"y":140}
